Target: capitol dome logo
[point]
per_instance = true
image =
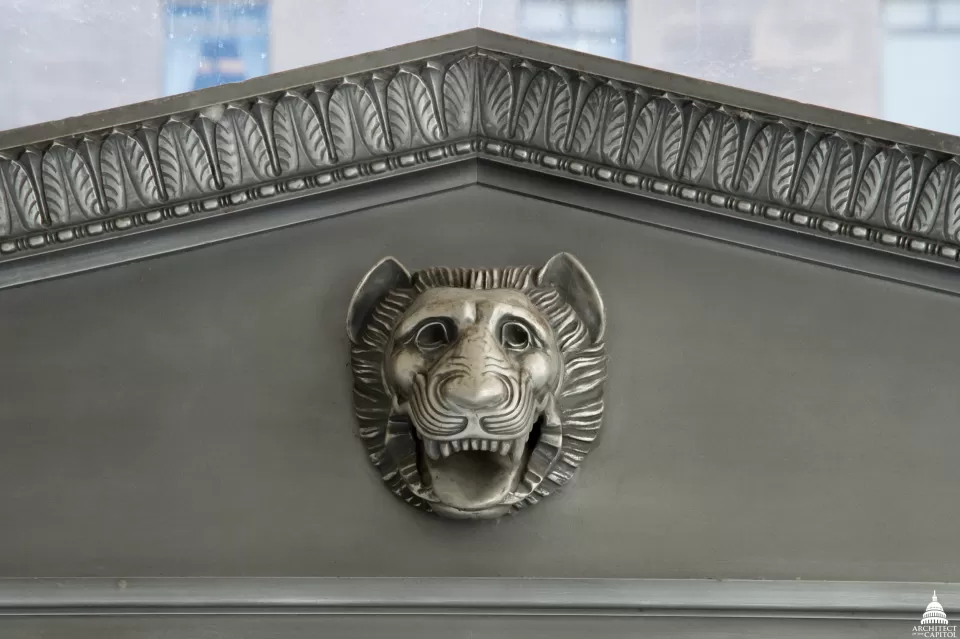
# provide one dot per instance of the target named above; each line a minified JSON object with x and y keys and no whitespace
{"x":934,"y":623}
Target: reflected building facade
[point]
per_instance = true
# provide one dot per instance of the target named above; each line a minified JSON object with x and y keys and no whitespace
{"x":212,"y":43}
{"x":863,"y":56}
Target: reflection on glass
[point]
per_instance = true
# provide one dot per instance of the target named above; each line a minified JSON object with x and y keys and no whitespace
{"x":906,"y":13}
{"x":592,"y":26}
{"x":921,"y":53}
{"x":892,"y":59}
{"x":210,"y":43}
{"x":949,"y":13}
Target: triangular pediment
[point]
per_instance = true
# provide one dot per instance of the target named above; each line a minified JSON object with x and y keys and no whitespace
{"x":213,"y":441}
{"x":478,"y":95}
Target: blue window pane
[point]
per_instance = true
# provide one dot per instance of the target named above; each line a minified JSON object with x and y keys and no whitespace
{"x":544,"y":15}
{"x":606,"y":47}
{"x":592,"y":26}
{"x":187,"y":10}
{"x":213,"y":43}
{"x":599,"y":16}
{"x":948,"y":14}
{"x":907,"y":13}
{"x":901,"y":73}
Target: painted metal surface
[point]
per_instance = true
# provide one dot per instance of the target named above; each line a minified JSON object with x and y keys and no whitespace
{"x":778,"y":421}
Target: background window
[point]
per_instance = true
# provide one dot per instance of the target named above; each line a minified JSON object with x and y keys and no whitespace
{"x":920,"y":49}
{"x":591,"y":26}
{"x":210,"y":43}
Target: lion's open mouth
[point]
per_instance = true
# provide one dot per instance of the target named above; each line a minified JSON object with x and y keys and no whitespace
{"x":475,"y":474}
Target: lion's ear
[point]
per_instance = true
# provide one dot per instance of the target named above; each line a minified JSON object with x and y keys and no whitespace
{"x":565,"y":272}
{"x":388,"y":274}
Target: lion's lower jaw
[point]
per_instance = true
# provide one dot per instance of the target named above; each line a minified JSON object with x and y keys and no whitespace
{"x":455,"y":513}
{"x":474,"y":481}
{"x":476,"y":478}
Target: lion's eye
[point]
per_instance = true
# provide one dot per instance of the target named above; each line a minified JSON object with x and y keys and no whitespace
{"x":515,"y":336}
{"x":431,"y":336}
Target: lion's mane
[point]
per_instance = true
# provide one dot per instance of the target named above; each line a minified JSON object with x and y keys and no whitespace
{"x":579,"y":400}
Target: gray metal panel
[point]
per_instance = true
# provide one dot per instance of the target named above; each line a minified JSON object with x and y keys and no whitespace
{"x":190,"y":414}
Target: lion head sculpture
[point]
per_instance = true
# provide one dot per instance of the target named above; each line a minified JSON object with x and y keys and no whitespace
{"x":477,"y":391}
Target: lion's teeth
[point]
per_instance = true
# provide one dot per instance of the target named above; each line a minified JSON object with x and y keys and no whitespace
{"x":436,"y":450}
{"x":518,"y":448}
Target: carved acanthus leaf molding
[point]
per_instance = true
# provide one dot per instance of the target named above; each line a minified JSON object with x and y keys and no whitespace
{"x":471,"y":103}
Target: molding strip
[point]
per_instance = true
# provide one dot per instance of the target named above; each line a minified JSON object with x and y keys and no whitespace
{"x":480,"y":94}
{"x":648,"y":597}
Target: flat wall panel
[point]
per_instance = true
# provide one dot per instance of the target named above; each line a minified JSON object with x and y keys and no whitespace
{"x":191,"y":414}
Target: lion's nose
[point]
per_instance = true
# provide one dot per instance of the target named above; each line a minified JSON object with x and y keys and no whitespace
{"x":475,"y":392}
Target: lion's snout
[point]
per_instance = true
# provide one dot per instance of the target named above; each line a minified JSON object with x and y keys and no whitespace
{"x":475,"y":392}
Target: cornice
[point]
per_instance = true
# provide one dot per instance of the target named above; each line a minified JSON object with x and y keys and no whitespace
{"x":479,"y":94}
{"x":848,"y":602}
